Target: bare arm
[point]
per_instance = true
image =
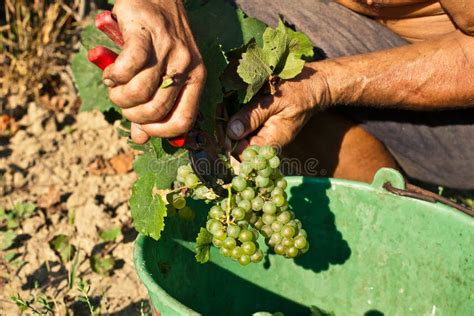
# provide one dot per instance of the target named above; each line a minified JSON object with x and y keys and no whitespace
{"x":430,"y":75}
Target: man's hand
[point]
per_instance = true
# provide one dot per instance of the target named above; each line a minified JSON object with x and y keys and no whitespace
{"x":158,"y":44}
{"x":276,"y":120}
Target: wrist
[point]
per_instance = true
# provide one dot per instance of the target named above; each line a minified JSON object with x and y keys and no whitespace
{"x":320,"y":88}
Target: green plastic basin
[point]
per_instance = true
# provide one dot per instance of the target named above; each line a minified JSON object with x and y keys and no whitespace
{"x":372,"y":253}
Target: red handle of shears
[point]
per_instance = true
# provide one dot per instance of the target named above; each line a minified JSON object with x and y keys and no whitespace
{"x":103,"y":57}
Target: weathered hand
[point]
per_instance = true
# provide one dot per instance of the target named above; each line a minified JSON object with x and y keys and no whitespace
{"x":276,"y":120}
{"x":158,"y":43}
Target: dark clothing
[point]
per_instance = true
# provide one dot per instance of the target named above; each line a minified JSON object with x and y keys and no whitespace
{"x":435,"y":147}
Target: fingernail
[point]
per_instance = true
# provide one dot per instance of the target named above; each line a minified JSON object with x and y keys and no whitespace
{"x":237,"y":128}
{"x":109,"y":83}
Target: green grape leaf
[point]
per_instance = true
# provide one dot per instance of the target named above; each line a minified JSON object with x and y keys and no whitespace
{"x":7,"y":239}
{"x":254,"y":70}
{"x":300,"y":45}
{"x":215,"y":62}
{"x":147,"y":207}
{"x":110,"y":234}
{"x":275,"y":46}
{"x":157,"y":161}
{"x":88,"y":80}
{"x":219,"y":20}
{"x":61,"y":245}
{"x":203,"y":246}
{"x":283,"y":54}
{"x":292,"y":68}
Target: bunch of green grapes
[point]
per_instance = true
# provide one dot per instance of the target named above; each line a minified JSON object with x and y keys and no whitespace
{"x":256,"y":205}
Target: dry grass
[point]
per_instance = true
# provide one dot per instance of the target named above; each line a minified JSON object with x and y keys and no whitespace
{"x":36,"y":41}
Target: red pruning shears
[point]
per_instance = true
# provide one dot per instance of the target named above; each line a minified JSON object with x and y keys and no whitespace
{"x":211,"y":170}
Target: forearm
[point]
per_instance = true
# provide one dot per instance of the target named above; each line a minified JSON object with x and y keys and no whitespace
{"x":430,"y":75}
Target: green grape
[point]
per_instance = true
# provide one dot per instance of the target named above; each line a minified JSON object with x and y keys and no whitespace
{"x":280,"y":249}
{"x":253,"y":218}
{"x":217,"y":242}
{"x":299,"y":225}
{"x":267,"y":172}
{"x":275,"y":239}
{"x":225,"y":204}
{"x":170,"y":210}
{"x":237,"y":198}
{"x":277,"y":226}
{"x":225,"y":252}
{"x":238,"y":213}
{"x":249,"y":154}
{"x":288,"y":231}
{"x":268,"y":219}
{"x":300,"y":242}
{"x":278,"y":191}
{"x":177,"y":201}
{"x":257,"y":204}
{"x":245,"y":168}
{"x":291,"y":252}
{"x":279,"y":200}
{"x":239,"y":183}
{"x":287,"y":242}
{"x":213,"y":226}
{"x":180,"y":180}
{"x":229,"y":243}
{"x":191,"y":180}
{"x":244,"y":260}
{"x":259,"y":163}
{"x":305,"y":249}
{"x":302,"y":232}
{"x":284,"y":217}
{"x":187,"y":214}
{"x":184,"y":170}
{"x":292,"y":223}
{"x":200,"y":192}
{"x":262,"y":182}
{"x":245,"y":235}
{"x":246,"y":205}
{"x":259,"y":223}
{"x":220,"y":234}
{"x":282,"y":183}
{"x":269,"y":208}
{"x":233,"y":231}
{"x":266,"y":231}
{"x":257,"y":256}
{"x":267,"y":152}
{"x":248,"y":194}
{"x":255,"y":233}
{"x":248,"y":248}
{"x":284,"y":207}
{"x":237,"y":252}
{"x":274,"y":162}
{"x":216,"y":212}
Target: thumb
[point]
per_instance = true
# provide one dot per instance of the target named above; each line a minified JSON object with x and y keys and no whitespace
{"x":250,"y":118}
{"x":139,"y":136}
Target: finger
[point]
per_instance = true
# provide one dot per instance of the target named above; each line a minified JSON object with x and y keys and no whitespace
{"x":250,"y":118}
{"x":132,"y":59}
{"x":164,"y":100}
{"x":276,"y":132}
{"x":141,"y":89}
{"x":138,"y":135}
{"x":181,"y":119}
